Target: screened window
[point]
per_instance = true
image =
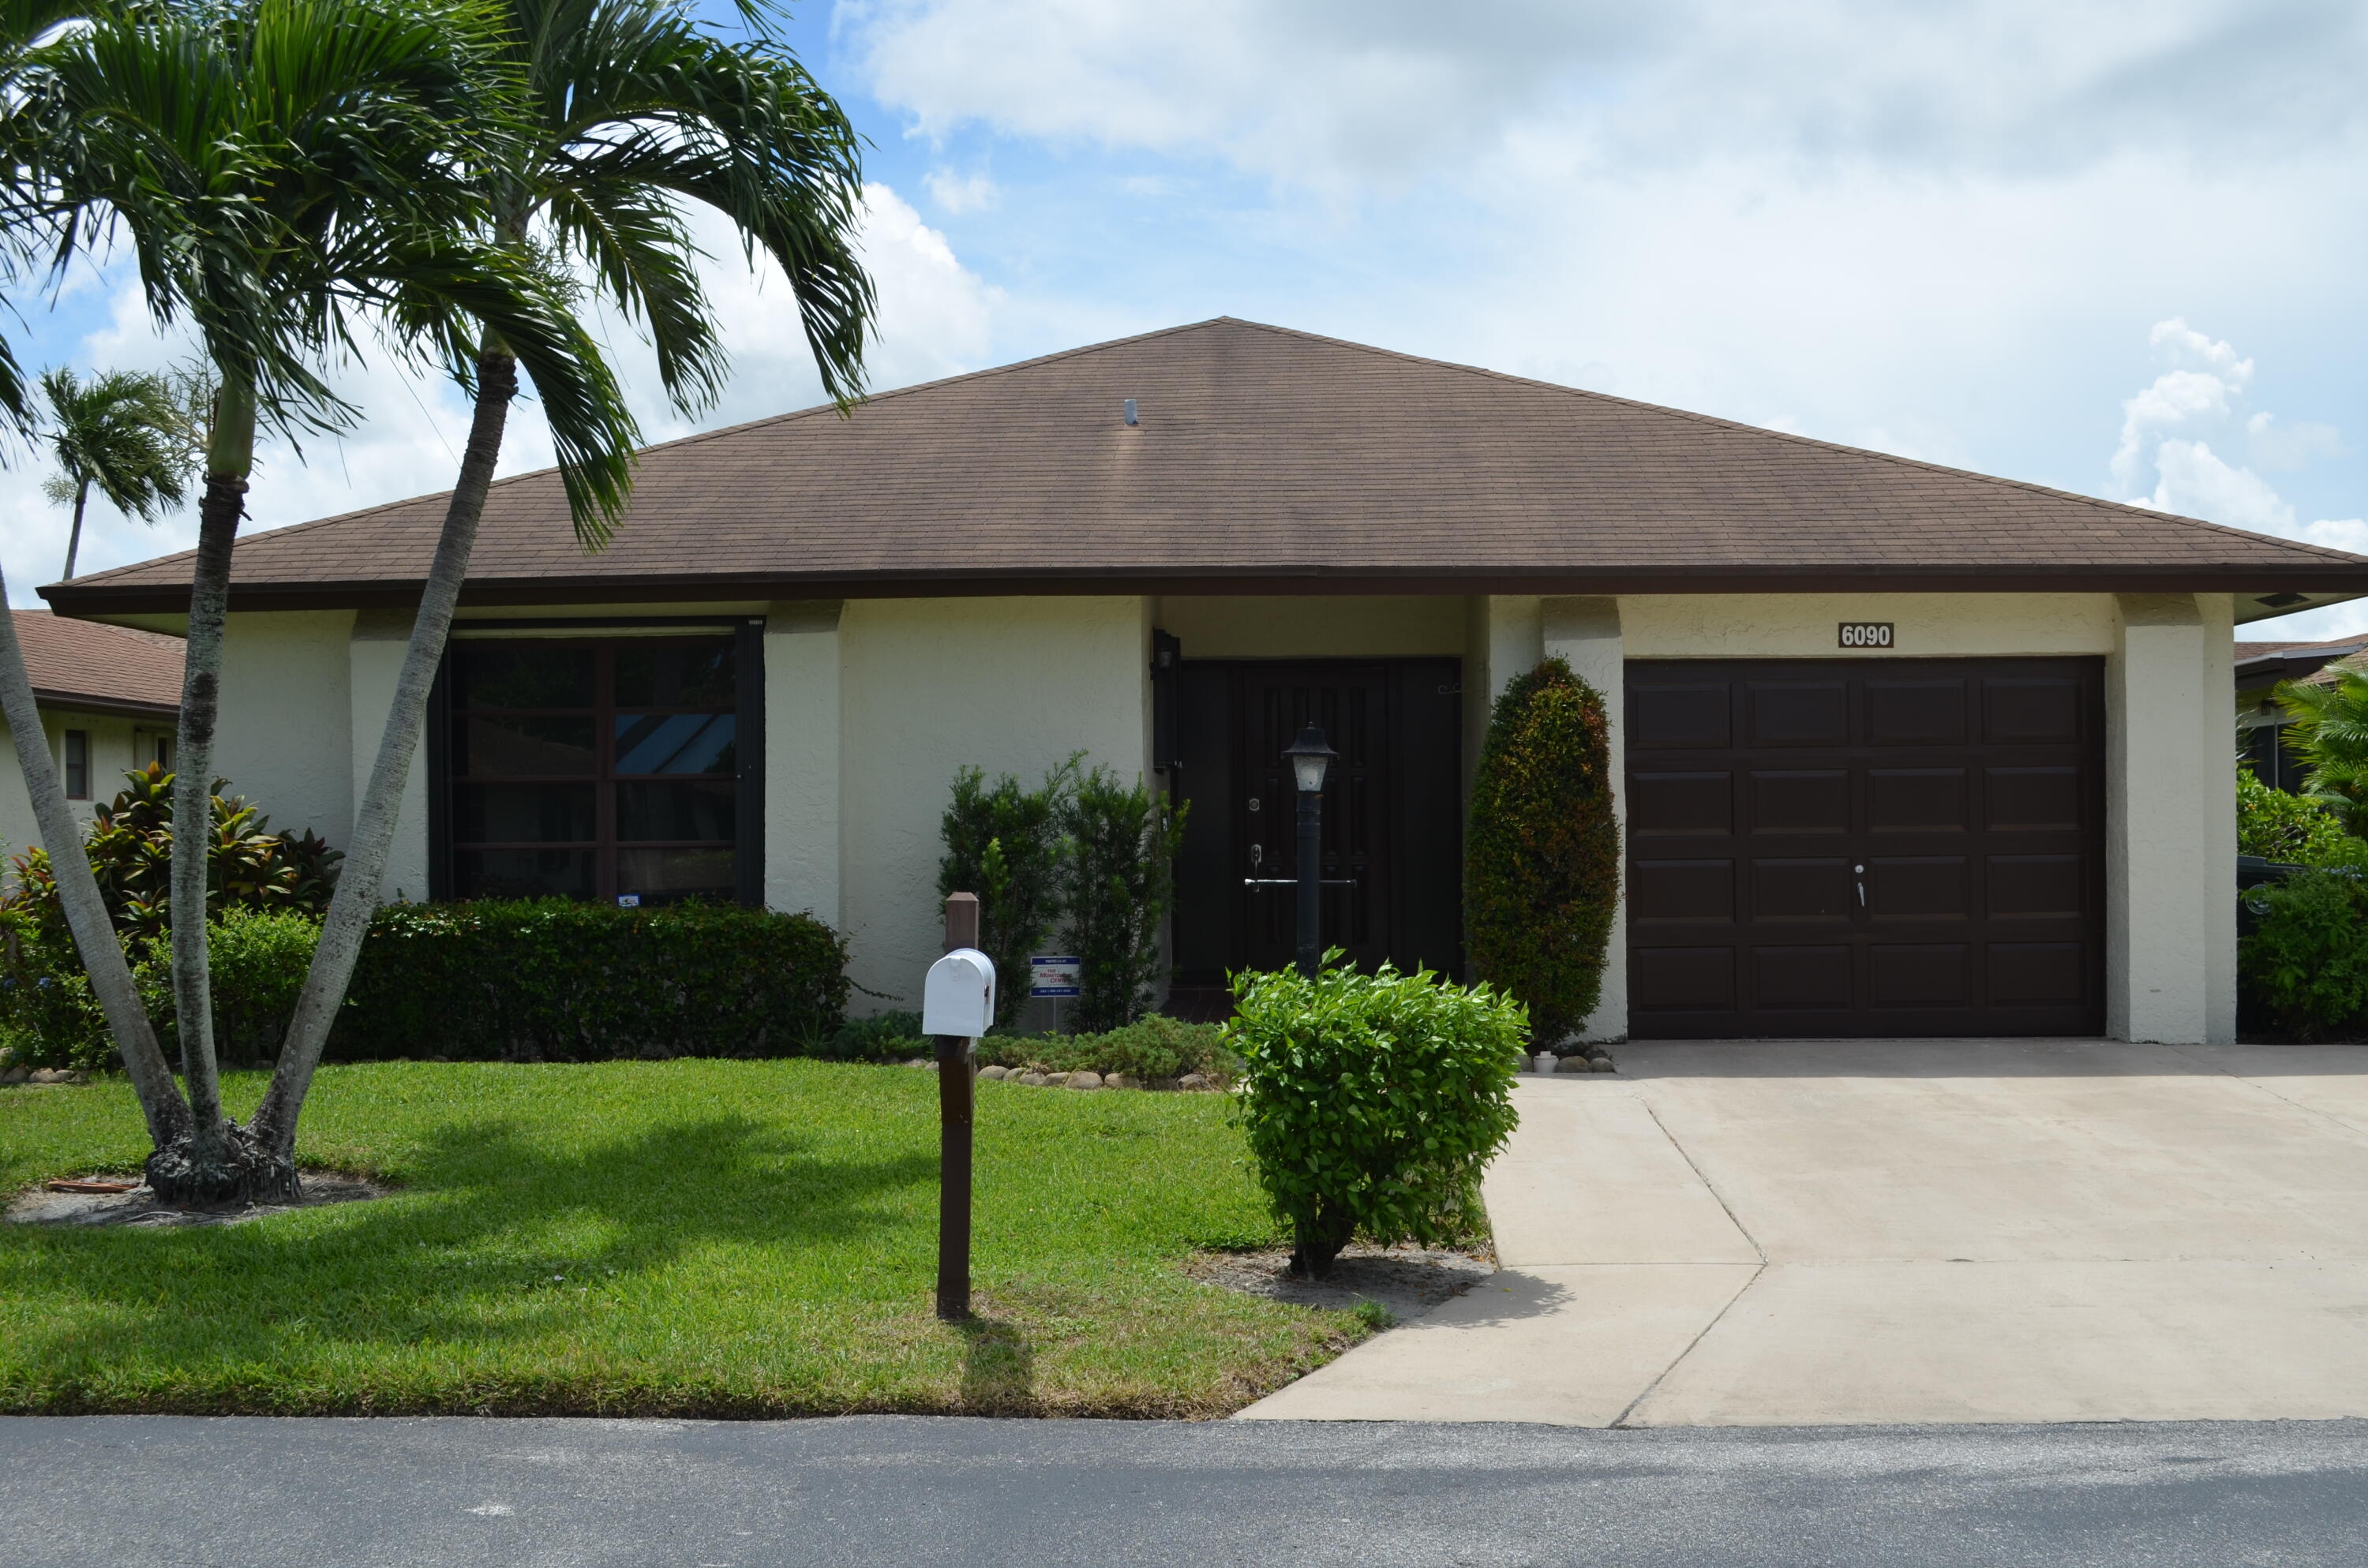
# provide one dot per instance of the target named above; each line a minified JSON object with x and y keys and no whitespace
{"x":77,"y":750}
{"x":596,"y":770}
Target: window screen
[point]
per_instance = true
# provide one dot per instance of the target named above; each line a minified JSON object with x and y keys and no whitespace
{"x":596,"y":769}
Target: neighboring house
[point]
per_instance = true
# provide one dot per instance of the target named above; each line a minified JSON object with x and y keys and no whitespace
{"x":2260,"y":722}
{"x":1902,"y":750}
{"x":109,"y":697}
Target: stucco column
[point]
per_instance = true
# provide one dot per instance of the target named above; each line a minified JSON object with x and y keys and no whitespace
{"x":1585,"y":633}
{"x":374,"y":662}
{"x":2169,"y":824}
{"x":801,"y":758}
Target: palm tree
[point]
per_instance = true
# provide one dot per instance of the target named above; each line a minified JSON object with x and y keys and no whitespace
{"x":286,"y":173}
{"x":125,"y":431}
{"x":2328,"y":726}
{"x":633,"y":113}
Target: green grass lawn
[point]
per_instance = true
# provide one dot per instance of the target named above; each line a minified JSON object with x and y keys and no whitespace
{"x":687,"y":1238}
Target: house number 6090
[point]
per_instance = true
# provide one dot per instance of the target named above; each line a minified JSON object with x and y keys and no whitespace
{"x":1866,"y":634}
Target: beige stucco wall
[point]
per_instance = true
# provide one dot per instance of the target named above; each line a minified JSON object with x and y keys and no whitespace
{"x":285,"y":740}
{"x":117,"y":745}
{"x":803,"y":757}
{"x":374,"y":660}
{"x":1586,"y":634}
{"x":1801,"y":625}
{"x":2171,"y":852}
{"x":1009,"y":685}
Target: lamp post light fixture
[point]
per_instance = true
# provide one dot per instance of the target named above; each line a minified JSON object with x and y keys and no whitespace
{"x":1311,"y":759}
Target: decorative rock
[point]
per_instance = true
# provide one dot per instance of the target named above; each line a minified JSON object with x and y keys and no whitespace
{"x":994,"y":1072}
{"x":1603,"y":1065}
{"x":15,"y":1075}
{"x":1573,"y":1064}
{"x":1084,"y":1080}
{"x":1035,"y":1080}
{"x":50,"y":1075}
{"x":1195,"y":1080}
{"x":919,"y":1062}
{"x":1119,"y":1081}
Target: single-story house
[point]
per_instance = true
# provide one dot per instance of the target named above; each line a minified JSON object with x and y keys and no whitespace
{"x":1906,"y":750}
{"x":2261,"y":668}
{"x":108,"y":696}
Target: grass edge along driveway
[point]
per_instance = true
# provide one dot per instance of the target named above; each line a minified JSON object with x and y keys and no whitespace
{"x":680,"y":1238}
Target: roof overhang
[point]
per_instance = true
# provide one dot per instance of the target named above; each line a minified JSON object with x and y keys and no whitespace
{"x":2259,"y":593}
{"x":82,"y":703}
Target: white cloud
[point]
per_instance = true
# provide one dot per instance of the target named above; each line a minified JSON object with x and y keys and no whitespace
{"x":957,"y":194}
{"x":2290,"y":446}
{"x":2194,"y":483}
{"x":1333,"y":91}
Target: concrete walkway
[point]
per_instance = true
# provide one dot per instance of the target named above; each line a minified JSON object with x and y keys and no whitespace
{"x":1879,"y":1232}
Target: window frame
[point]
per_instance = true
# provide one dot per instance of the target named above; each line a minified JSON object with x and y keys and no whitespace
{"x":68,"y":763}
{"x":748,"y":739}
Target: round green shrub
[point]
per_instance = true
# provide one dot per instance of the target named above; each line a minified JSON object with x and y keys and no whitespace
{"x":1373,"y":1102}
{"x":1542,"y":854}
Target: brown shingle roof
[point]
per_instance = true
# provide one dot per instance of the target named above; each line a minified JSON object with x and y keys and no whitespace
{"x":1264,"y":458}
{"x":81,"y":664}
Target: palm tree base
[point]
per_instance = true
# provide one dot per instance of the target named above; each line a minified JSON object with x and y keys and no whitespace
{"x":241,"y":1170}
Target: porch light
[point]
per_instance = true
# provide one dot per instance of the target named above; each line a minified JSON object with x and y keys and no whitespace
{"x":1311,"y":759}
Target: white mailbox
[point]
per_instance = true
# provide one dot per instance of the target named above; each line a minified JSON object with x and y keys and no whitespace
{"x":958,"y":998}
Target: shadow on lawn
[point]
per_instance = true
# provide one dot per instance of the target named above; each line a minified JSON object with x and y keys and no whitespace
{"x":496,"y":1236}
{"x":998,"y":1367}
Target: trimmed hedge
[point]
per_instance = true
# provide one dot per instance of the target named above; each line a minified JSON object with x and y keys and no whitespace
{"x":552,"y":980}
{"x":1542,"y":856}
{"x":50,"y":1018}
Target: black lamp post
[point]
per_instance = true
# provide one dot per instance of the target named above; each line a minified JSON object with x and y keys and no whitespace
{"x":1311,"y":759}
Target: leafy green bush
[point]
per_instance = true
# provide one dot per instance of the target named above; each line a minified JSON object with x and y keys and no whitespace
{"x":130,"y":848}
{"x":2328,"y":727}
{"x":2306,"y":961}
{"x":1119,"y":882}
{"x":884,"y":1037}
{"x":1372,"y":1101}
{"x":1153,"y":1048}
{"x":553,"y":980}
{"x":2278,"y":826}
{"x":1541,"y":855}
{"x":257,"y":958}
{"x":1003,"y":843}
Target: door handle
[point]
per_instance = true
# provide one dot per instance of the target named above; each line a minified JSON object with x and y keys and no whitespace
{"x":1861,"y":872}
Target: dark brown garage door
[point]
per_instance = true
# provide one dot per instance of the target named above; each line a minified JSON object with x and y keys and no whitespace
{"x":1900,"y":847}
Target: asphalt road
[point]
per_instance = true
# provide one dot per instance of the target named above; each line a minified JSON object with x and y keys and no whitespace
{"x":129,"y":1492}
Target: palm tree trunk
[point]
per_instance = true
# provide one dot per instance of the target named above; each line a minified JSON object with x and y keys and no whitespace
{"x":365,"y":865}
{"x":218,"y":1162}
{"x":73,"y":540}
{"x":94,"y":932}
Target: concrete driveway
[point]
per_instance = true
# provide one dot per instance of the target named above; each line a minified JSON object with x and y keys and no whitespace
{"x":1874,"y":1232}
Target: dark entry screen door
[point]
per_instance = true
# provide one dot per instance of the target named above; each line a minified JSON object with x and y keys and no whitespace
{"x":1348,"y":703}
{"x":1393,"y":836}
{"x":1898,"y":846}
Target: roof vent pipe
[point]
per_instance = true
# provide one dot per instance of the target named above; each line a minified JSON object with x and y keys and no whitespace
{"x":1130,"y":411}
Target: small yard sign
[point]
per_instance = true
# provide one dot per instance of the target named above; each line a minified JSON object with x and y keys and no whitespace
{"x":1866,"y":634}
{"x":1053,"y":975}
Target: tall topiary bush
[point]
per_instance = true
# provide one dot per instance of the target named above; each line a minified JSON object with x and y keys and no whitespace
{"x":1541,"y":855}
{"x":1118,"y":884}
{"x":1372,"y":1101}
{"x":1004,"y":842}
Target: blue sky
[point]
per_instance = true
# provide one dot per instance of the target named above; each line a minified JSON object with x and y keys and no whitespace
{"x":2113,"y":247}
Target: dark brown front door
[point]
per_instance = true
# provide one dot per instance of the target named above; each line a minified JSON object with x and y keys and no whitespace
{"x":1900,"y":847}
{"x":1393,"y":827}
